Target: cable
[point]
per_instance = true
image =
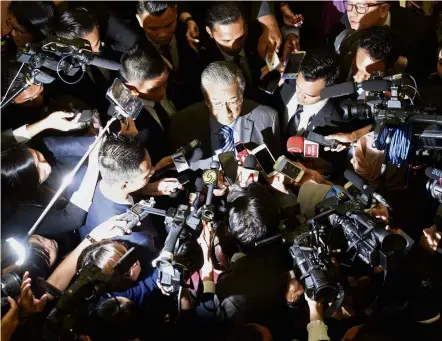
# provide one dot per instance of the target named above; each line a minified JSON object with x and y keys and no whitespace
{"x":15,"y":77}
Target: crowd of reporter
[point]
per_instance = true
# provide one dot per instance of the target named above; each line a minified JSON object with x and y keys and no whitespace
{"x":198,"y":69}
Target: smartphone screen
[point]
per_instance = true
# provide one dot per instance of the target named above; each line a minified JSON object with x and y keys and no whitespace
{"x":123,"y":97}
{"x":265,"y":160}
{"x":289,"y":169}
{"x":229,"y":166}
{"x":270,"y":82}
{"x":293,"y":65}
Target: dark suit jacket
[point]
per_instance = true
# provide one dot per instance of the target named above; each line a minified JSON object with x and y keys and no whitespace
{"x":183,"y":87}
{"x":417,"y":40}
{"x":256,"y":125}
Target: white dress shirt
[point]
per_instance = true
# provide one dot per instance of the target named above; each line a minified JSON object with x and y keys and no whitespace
{"x":309,"y":111}
{"x":165,"y":103}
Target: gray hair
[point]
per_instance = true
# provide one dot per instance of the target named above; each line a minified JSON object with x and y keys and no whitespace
{"x":222,"y":74}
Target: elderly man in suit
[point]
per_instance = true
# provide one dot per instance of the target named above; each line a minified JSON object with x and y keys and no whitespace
{"x":225,"y":117}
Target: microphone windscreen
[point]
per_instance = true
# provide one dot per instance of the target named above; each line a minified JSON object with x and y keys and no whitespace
{"x":250,"y":162}
{"x":338,"y":90}
{"x":196,"y":155}
{"x":105,"y":63}
{"x":295,"y":144}
{"x":214,"y":165}
{"x":433,"y":173}
{"x":356,"y":180}
{"x":199,"y":184}
{"x":375,"y":85}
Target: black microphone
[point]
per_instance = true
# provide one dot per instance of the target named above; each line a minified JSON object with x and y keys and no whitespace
{"x":210,"y":178}
{"x":350,"y":88}
{"x":199,"y":185}
{"x":338,"y":90}
{"x":180,"y":162}
{"x":360,"y":184}
{"x":433,"y":174}
{"x":374,"y":85}
{"x":105,"y":63}
{"x":190,"y":146}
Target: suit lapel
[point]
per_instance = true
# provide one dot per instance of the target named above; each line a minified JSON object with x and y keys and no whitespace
{"x":245,"y":128}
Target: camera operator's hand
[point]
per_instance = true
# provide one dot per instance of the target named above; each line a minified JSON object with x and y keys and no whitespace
{"x":294,"y":291}
{"x":59,"y":120}
{"x":27,"y":301}
{"x":10,"y":321}
{"x":430,"y":239}
{"x":380,"y":211}
{"x":129,"y":129}
{"x":164,"y":186}
{"x":341,"y":137}
{"x":291,"y":45}
{"x":311,"y":175}
{"x":316,"y":309}
{"x":113,"y":227}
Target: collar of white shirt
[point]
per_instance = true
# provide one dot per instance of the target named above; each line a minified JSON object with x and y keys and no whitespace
{"x":309,"y":110}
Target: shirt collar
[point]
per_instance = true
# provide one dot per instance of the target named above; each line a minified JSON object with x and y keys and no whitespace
{"x":147,"y":103}
{"x":215,"y":126}
{"x":228,"y":56}
{"x":388,"y":21}
{"x":310,"y":108}
{"x":158,"y":46}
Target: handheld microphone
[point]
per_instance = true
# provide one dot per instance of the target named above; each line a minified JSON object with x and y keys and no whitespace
{"x":104,"y":63}
{"x":190,"y":146}
{"x":295,"y":145}
{"x":210,"y":179}
{"x":248,"y":172}
{"x":180,"y":162}
{"x":360,"y":184}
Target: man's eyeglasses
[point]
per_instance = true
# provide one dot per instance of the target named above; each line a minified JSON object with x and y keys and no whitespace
{"x":361,"y":8}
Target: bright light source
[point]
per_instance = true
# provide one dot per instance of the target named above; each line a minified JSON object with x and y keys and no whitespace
{"x":19,"y":249}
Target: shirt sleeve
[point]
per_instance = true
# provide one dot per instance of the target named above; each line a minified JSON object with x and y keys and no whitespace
{"x":21,"y":134}
{"x":317,"y":331}
{"x":142,"y":290}
{"x":286,"y":30}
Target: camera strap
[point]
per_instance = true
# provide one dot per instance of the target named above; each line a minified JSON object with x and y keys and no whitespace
{"x":336,"y":303}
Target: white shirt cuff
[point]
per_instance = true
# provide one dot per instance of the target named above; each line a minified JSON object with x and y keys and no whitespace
{"x":209,"y":287}
{"x":317,"y":331}
{"x":78,"y":200}
{"x":286,"y":30}
{"x":21,"y":134}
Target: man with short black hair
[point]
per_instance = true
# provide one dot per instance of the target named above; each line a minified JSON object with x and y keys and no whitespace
{"x":125,"y":168}
{"x":415,"y":34}
{"x":158,"y":19}
{"x":145,"y":72}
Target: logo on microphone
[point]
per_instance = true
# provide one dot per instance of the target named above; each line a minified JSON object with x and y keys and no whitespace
{"x":210,"y":177}
{"x":180,"y":162}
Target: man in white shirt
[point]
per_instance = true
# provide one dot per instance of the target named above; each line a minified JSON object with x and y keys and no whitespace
{"x":304,"y":110}
{"x":146,"y":72}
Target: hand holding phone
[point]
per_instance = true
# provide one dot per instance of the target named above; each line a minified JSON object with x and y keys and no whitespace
{"x":289,"y":169}
{"x":127,"y":102}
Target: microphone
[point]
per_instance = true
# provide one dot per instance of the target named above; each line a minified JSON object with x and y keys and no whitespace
{"x":350,"y":88}
{"x":295,"y":145}
{"x":434,"y":174}
{"x":360,"y":184}
{"x":248,"y":173}
{"x":210,"y":179}
{"x":190,"y":146}
{"x":338,"y":90}
{"x":105,"y":63}
{"x":181,"y":160}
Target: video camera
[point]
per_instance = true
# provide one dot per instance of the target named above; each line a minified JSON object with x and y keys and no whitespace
{"x":395,"y":114}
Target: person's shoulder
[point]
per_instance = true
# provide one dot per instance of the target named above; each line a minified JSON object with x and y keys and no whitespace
{"x":255,"y":109}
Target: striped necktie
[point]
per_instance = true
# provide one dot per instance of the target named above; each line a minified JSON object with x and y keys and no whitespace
{"x":226,"y":137}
